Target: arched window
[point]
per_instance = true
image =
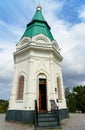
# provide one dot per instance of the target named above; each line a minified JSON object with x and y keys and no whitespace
{"x":59,"y":88}
{"x":20,"y":88}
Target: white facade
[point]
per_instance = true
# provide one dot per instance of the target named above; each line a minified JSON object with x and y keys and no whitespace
{"x":37,"y":58}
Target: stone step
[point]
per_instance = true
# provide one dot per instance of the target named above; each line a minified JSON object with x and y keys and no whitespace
{"x":45,"y":119}
{"x":49,"y":128}
{"x":47,"y":115}
{"x":47,"y":124}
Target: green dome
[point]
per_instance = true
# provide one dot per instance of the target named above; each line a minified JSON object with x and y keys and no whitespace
{"x":38,"y":15}
{"x":38,"y":25}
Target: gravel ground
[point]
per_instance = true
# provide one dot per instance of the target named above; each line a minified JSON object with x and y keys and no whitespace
{"x":4,"y":125}
{"x":75,"y":122}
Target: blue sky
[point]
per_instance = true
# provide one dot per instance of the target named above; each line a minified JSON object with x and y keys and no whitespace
{"x":70,"y":9}
{"x":67,"y":21}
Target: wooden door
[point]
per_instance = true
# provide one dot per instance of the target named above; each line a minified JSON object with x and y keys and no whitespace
{"x":42,"y":95}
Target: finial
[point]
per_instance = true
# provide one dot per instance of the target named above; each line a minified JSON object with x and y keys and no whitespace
{"x":38,"y":7}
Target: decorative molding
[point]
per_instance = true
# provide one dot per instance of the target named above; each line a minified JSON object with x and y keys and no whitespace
{"x":19,"y":101}
{"x":41,"y":71}
{"x":22,"y":73}
{"x":27,"y":93}
{"x":24,"y":41}
{"x":41,"y":65}
{"x":42,"y":38}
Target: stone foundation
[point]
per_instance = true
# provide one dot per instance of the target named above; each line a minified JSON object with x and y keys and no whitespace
{"x":28,"y":116}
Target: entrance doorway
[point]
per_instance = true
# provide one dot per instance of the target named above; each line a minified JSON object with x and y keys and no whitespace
{"x":42,"y":95}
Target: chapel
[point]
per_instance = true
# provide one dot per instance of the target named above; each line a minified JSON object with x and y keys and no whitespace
{"x":37,"y":81}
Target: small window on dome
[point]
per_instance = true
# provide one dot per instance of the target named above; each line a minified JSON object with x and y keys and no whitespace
{"x":41,"y":41}
{"x":24,"y":42}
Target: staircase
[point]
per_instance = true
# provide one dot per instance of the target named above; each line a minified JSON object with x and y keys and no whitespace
{"x":47,"y":120}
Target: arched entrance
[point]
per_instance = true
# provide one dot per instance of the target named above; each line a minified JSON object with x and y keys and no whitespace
{"x":42,"y":94}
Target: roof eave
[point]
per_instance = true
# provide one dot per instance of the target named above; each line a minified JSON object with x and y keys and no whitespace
{"x":39,"y":22}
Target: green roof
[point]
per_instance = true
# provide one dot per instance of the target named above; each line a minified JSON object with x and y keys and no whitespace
{"x":38,"y":25}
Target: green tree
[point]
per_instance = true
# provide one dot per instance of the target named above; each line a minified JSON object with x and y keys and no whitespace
{"x":70,"y":100}
{"x":80,"y":97}
{"x":75,"y":99}
{"x":3,"y":105}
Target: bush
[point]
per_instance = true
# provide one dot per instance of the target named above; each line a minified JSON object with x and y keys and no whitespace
{"x":3,"y":106}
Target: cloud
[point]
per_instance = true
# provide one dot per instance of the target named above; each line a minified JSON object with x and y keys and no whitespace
{"x":6,"y":68}
{"x":70,"y":38}
{"x":73,"y":64}
{"x":13,"y":21}
{"x":82,"y":13}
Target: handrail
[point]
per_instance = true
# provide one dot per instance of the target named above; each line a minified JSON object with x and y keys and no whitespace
{"x":55,"y":109}
{"x":36,"y":114}
{"x":53,"y":105}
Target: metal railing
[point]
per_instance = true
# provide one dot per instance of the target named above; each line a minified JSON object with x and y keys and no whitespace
{"x":54,"y":109}
{"x":36,"y":114}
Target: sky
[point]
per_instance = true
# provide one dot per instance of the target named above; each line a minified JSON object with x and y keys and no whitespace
{"x":67,"y":21}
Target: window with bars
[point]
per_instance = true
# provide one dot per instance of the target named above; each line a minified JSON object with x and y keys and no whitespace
{"x":20,"y":88}
{"x":59,"y":88}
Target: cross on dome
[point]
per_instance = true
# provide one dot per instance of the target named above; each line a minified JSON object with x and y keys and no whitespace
{"x":38,"y":7}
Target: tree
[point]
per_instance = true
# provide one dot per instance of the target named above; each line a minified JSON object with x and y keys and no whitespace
{"x":70,"y":100}
{"x":3,"y":105}
{"x":80,"y":97}
{"x":75,"y":99}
